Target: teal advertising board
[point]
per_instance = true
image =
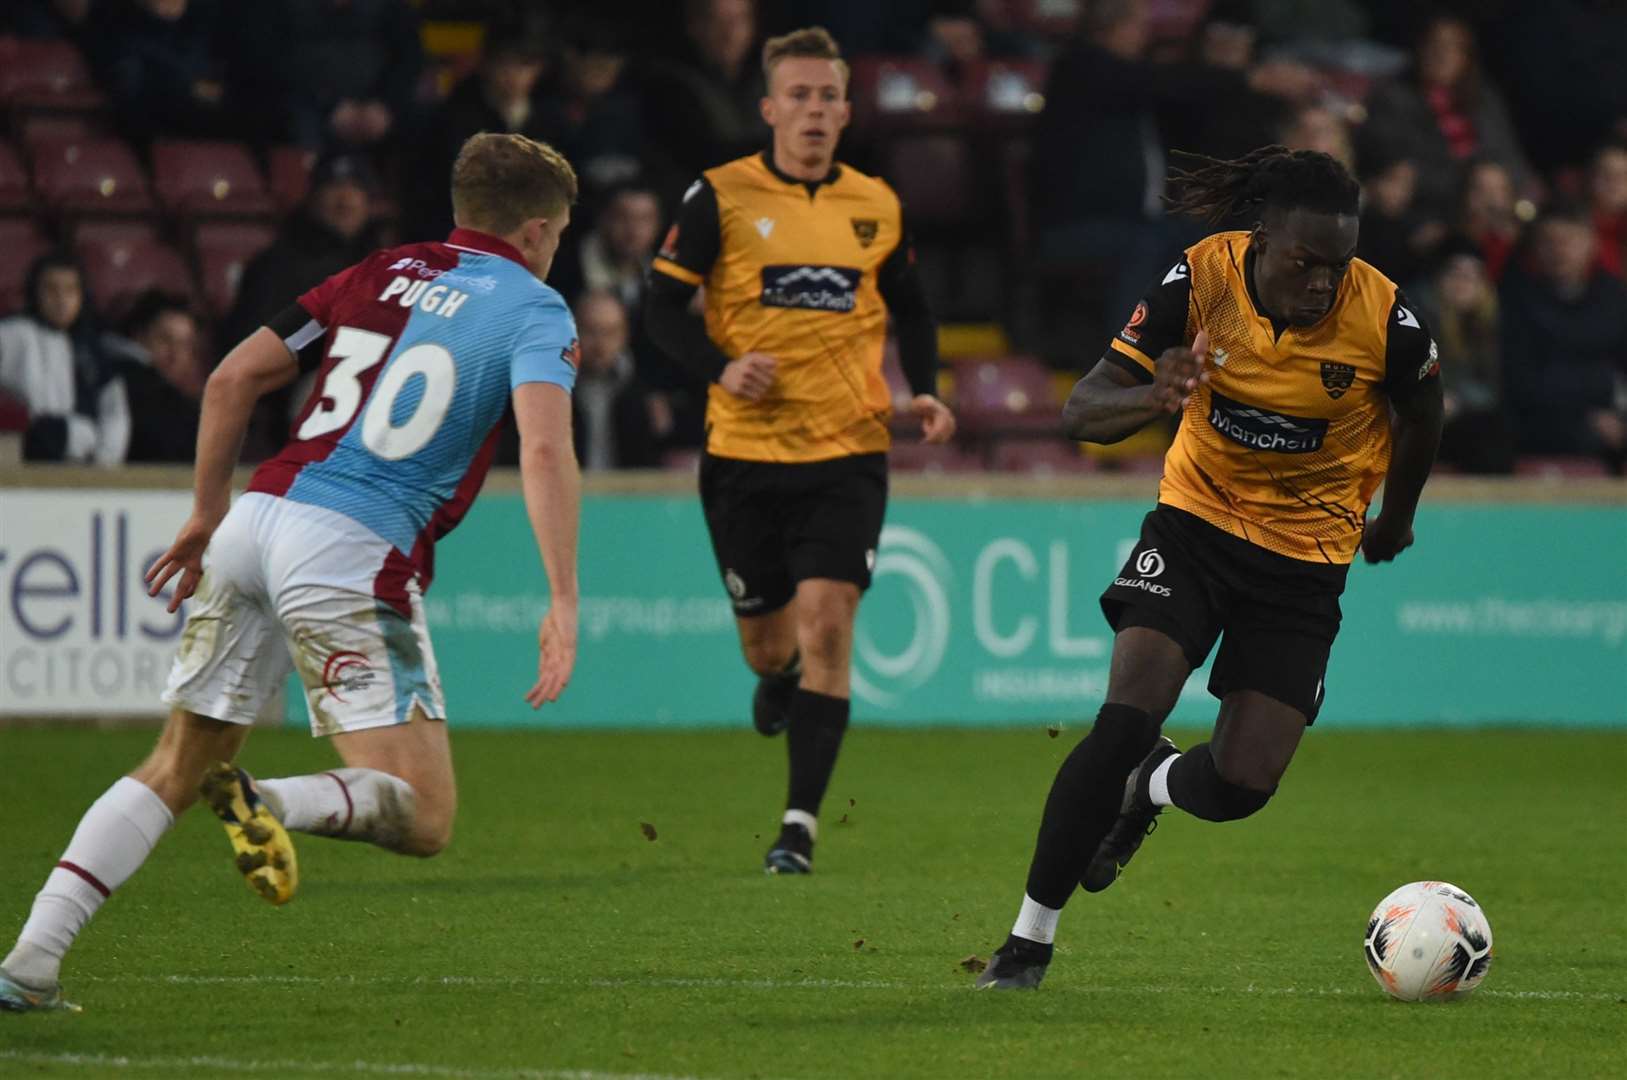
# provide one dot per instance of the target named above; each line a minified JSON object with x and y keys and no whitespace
{"x":984,"y":613}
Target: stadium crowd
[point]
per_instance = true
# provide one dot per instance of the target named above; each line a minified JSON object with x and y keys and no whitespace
{"x":173,"y":172}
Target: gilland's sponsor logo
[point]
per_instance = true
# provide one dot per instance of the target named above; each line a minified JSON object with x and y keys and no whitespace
{"x":1260,"y":429}
{"x":816,"y":288}
{"x":1149,"y":564}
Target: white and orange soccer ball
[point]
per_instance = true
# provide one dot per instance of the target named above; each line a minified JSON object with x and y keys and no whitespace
{"x":1428,"y":941}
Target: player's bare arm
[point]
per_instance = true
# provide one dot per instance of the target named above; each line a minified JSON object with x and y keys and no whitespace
{"x":261,"y":364}
{"x":552,"y":483}
{"x":1110,"y":404}
{"x":1416,"y":431}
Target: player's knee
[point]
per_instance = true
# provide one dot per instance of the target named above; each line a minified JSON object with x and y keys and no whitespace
{"x":826,"y":636}
{"x":1256,"y":774}
{"x":768,"y":657}
{"x":1241,"y":792}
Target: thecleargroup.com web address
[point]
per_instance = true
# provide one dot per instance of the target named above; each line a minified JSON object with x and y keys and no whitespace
{"x":1494,"y":616}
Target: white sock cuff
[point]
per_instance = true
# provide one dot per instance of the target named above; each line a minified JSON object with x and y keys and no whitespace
{"x":803,"y":818}
{"x":1036,"y":922}
{"x":1158,"y":782}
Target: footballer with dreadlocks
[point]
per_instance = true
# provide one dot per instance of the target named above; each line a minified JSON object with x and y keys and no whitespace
{"x":1304,"y":379}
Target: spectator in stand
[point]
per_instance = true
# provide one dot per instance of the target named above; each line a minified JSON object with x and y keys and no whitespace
{"x":615,"y":254}
{"x":502,"y":94}
{"x":1460,"y":303}
{"x":1565,"y":344}
{"x":160,"y":63}
{"x":588,"y":113}
{"x":1607,"y":187}
{"x":1490,"y":215}
{"x":1098,"y":166}
{"x":619,"y":423}
{"x":1237,"y":118}
{"x":1445,"y":115}
{"x":52,"y":361}
{"x":67,"y":20}
{"x":1561,"y":62}
{"x":333,"y":230}
{"x":1313,"y":127}
{"x":1396,"y":236}
{"x":702,"y":108}
{"x":326,"y":72}
{"x":156,"y":355}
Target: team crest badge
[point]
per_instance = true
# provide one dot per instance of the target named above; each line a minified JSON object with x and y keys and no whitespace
{"x":865,"y":230}
{"x":1337,"y":378}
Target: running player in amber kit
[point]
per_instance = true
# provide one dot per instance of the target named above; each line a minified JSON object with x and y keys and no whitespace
{"x":320,"y":567}
{"x":1304,"y":379}
{"x":802,"y":260}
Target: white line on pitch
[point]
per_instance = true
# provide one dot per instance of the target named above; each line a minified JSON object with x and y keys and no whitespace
{"x":775,"y":984}
{"x":212,"y":1063}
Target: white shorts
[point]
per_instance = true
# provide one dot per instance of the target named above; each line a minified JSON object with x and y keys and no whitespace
{"x":290,"y":587}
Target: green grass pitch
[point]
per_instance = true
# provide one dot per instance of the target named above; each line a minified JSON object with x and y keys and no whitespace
{"x":555,"y":940}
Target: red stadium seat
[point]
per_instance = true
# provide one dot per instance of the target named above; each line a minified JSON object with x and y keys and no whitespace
{"x":1559,"y":467}
{"x":13,"y":413}
{"x":38,"y":127}
{"x":23,"y":241}
{"x":683,"y":459}
{"x":1001,"y":396}
{"x":912,"y":455}
{"x":116,"y":272}
{"x":208,"y":178}
{"x":903,"y":91}
{"x":14,"y":190}
{"x":1039,"y":457}
{"x":90,"y":176}
{"x":223,"y":250}
{"x":290,"y":169}
{"x":115,"y":233}
{"x":1047,"y":18}
{"x":933,"y":177}
{"x":1007,"y":93}
{"x":48,"y":74}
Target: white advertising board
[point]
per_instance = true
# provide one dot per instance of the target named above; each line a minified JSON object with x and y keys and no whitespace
{"x":78,"y":633}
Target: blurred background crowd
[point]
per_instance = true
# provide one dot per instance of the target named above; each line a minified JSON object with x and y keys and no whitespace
{"x":173,"y":172}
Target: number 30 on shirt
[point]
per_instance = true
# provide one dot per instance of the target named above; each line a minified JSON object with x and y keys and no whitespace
{"x":359,"y":351}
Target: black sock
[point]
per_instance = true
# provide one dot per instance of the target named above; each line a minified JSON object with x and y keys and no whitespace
{"x":815,"y":735}
{"x":1197,"y":787}
{"x":1084,"y":800}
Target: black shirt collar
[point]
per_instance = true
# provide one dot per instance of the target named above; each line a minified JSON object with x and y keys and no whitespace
{"x":811,"y":185}
{"x":1277,"y":325}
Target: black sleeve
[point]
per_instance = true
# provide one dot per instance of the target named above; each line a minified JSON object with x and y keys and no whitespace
{"x":917,"y":330}
{"x":679,"y":333}
{"x":301,"y":334}
{"x":693,"y":242}
{"x":1157,"y":323}
{"x":1411,"y":361}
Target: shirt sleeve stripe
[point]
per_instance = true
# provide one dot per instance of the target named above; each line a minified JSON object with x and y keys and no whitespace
{"x":673,"y":270}
{"x":1132,"y":359}
{"x":304,"y":336}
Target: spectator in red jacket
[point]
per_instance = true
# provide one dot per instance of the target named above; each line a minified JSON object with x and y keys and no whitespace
{"x":1489,"y":214}
{"x":1607,"y":187}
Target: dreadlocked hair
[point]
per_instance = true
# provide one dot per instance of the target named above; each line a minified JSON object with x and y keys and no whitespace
{"x":1272,"y":177}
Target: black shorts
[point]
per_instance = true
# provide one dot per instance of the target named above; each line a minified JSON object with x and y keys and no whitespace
{"x":1194,"y":582}
{"x":774,"y":525}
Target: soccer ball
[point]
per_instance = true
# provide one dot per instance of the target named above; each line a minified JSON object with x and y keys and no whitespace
{"x":1428,"y":941}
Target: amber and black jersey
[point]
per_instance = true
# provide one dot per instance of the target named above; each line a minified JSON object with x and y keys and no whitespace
{"x":805,"y":272}
{"x":1290,"y":438}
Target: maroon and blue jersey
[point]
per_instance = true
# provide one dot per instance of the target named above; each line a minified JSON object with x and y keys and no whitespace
{"x":417,"y":349}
